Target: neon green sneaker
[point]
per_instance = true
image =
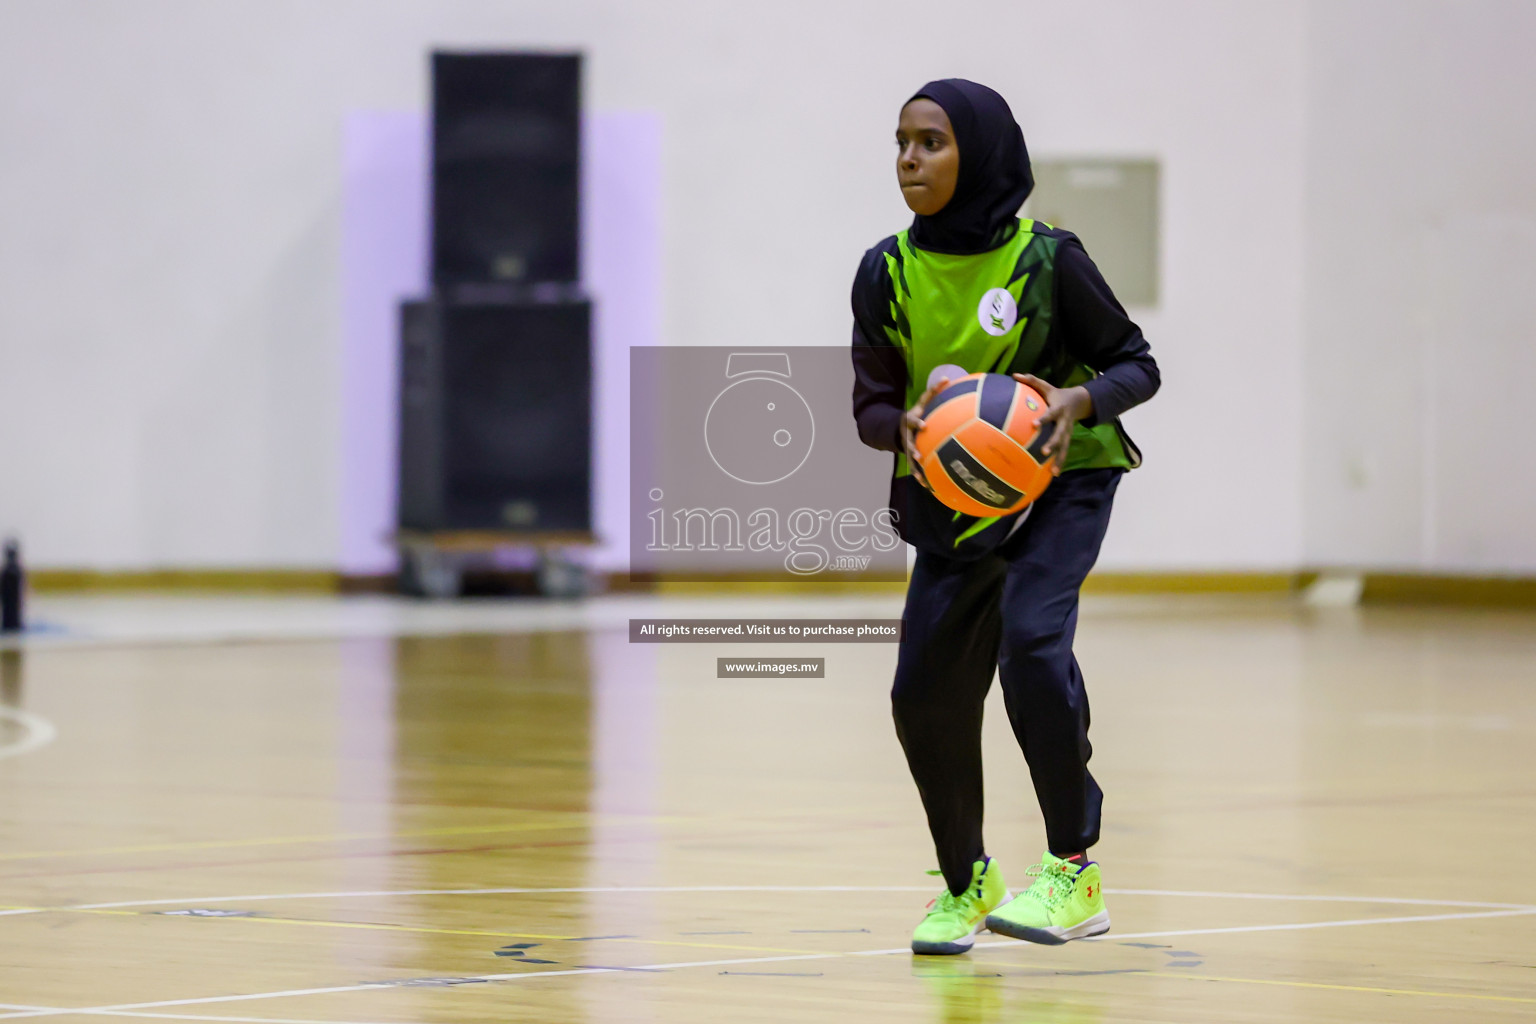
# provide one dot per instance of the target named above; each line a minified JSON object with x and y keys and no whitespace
{"x":953,"y":921}
{"x":1066,"y":902}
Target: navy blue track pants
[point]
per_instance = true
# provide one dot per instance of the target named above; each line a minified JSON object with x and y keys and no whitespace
{"x":1013,"y":612}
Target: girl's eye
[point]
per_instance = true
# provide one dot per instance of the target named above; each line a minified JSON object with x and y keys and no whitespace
{"x":933,"y":144}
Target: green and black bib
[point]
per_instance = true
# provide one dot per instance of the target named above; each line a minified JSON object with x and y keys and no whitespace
{"x":986,"y":312}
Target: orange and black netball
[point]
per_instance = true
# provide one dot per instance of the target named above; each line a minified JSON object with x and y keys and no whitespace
{"x":980,"y":445}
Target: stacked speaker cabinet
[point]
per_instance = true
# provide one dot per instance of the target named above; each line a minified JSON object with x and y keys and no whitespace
{"x":506,"y":152}
{"x":496,"y":409}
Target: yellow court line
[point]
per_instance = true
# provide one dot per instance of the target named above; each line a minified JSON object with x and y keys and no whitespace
{"x":1342,"y":988}
{"x":217,"y":844}
{"x":508,"y":935}
{"x":428,"y":931}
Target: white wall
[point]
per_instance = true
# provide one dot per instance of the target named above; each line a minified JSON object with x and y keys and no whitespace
{"x":169,"y":231}
{"x":1420,"y":310}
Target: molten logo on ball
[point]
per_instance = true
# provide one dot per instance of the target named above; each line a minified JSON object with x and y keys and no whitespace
{"x":977,"y":484}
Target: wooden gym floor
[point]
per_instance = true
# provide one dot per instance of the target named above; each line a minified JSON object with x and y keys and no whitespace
{"x":1311,"y":816}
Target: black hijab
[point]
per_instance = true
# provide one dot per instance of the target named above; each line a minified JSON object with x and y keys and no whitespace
{"x":994,"y":171}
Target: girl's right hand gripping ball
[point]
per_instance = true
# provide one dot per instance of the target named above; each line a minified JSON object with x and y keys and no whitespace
{"x":980,"y":445}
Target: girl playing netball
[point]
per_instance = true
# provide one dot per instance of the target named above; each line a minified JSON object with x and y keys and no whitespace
{"x":969,"y":284}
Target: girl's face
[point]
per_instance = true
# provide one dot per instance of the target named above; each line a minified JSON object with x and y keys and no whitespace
{"x":927,"y":158}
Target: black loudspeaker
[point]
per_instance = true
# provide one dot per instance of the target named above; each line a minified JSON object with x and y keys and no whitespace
{"x":506,"y":151}
{"x":495,"y":417}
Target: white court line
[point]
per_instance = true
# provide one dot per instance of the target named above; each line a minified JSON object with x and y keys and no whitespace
{"x":39,"y":732}
{"x":499,"y":892}
{"x":124,"y":1009}
{"x":199,"y":900}
{"x":1121,"y":936}
{"x":1318,"y":899}
{"x":230,"y":1020}
{"x":1518,"y":912}
{"x":121,"y":1009}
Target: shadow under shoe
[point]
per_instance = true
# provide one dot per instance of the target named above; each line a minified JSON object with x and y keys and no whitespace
{"x":966,"y":992}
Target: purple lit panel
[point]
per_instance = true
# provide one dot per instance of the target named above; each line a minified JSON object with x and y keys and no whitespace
{"x":621,"y":264}
{"x":384,"y":260}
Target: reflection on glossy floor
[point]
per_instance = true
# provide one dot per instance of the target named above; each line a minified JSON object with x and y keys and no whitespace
{"x":1318,"y":816}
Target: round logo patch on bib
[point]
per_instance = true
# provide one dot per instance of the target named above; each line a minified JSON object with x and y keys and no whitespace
{"x":997,"y":312}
